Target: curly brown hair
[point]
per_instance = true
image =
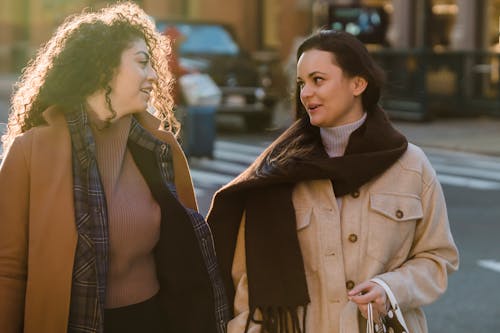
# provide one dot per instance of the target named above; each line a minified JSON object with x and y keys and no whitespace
{"x":81,"y":58}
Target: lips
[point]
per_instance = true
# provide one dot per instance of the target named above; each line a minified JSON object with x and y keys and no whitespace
{"x":313,"y":106}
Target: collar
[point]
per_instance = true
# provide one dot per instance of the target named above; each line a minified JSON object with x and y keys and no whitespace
{"x":335,"y":138}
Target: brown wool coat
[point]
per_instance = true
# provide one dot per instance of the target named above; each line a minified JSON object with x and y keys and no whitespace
{"x":37,"y":227}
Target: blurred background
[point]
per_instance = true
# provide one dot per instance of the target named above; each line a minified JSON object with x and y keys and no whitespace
{"x":442,"y":59}
{"x":442,"y":55}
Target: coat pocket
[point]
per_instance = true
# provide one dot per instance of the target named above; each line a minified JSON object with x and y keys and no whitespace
{"x":308,"y":240}
{"x":391,"y":225}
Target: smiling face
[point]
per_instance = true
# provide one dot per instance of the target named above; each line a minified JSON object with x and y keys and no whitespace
{"x":131,"y":86}
{"x":330,"y":97}
{"x":133,"y":82}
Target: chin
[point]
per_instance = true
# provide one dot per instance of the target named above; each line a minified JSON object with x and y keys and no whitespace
{"x":315,"y":122}
{"x":140,"y":108}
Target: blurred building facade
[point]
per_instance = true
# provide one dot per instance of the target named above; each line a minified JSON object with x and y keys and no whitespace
{"x":268,"y":25}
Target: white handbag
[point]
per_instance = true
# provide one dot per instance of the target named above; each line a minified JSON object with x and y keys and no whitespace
{"x":393,"y":321}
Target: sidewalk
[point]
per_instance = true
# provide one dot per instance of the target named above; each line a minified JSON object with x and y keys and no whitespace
{"x":480,"y":135}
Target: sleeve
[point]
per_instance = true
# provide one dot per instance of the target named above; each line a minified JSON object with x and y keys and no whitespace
{"x":241,"y":305}
{"x":14,"y":201}
{"x":424,"y":276}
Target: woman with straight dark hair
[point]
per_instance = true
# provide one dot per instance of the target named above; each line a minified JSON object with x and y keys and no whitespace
{"x":338,"y":220}
{"x":99,"y":229}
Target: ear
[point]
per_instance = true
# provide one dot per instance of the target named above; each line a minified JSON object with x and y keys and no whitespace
{"x":359,"y":85}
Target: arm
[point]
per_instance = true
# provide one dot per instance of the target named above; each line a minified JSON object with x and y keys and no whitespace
{"x":434,"y":255}
{"x":241,"y":307}
{"x":14,"y":201}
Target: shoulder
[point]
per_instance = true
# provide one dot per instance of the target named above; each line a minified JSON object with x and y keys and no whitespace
{"x":42,"y":139}
{"x":18,"y":151}
{"x":415,"y":160}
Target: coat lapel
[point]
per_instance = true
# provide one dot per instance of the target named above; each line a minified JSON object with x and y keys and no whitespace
{"x":183,"y":181}
{"x":52,"y":232}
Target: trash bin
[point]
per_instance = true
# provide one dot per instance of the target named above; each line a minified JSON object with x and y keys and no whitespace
{"x":198,"y":130}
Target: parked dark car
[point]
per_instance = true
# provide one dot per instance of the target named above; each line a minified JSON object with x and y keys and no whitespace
{"x":212,"y":48}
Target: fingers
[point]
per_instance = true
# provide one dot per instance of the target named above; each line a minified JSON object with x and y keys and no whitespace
{"x":360,"y":288}
{"x":363,"y":308}
{"x":377,"y":311}
{"x":369,"y":292}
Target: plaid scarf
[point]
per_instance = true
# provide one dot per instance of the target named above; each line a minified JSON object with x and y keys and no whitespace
{"x":90,"y":268}
{"x":91,"y":257}
{"x":183,"y":269}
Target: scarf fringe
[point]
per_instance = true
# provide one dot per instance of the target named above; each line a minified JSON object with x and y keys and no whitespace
{"x":279,"y":319}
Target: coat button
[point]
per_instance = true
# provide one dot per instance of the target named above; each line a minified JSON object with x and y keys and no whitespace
{"x":353,"y":238}
{"x":355,"y":194}
{"x":399,"y":214}
{"x":349,"y":284}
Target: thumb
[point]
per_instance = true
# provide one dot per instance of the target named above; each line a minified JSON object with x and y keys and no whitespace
{"x":358,"y":289}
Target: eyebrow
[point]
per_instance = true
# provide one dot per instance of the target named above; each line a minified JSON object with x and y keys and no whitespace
{"x":312,"y":74}
{"x":315,"y":72}
{"x":143,"y":53}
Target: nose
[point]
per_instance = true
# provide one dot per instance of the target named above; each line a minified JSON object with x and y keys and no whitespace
{"x":152,"y":76}
{"x":306,"y":91}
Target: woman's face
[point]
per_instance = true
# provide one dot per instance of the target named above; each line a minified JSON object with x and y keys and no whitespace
{"x":329,"y":97}
{"x":133,"y":82}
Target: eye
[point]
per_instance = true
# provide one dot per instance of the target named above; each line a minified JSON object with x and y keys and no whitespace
{"x":317,"y":79}
{"x":300,"y":84}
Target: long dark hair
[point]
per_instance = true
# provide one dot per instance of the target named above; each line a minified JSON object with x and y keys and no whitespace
{"x":81,"y":58}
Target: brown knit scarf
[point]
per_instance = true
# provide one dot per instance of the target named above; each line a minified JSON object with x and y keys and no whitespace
{"x":275,"y":269}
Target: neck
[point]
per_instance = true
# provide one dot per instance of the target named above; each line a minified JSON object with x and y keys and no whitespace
{"x":100,"y":114}
{"x":335,"y":139}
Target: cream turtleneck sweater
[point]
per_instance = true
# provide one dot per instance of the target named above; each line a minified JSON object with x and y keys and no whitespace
{"x":335,"y":140}
{"x":133,"y":219}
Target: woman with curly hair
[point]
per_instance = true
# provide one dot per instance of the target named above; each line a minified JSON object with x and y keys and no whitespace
{"x":99,"y":230}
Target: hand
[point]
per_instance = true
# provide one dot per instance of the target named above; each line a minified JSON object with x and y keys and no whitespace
{"x":367,"y":292}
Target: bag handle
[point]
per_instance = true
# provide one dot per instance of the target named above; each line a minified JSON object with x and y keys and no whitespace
{"x":396,"y":310}
{"x":369,"y":320}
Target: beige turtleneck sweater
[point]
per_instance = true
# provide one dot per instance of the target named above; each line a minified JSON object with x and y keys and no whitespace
{"x":133,"y":219}
{"x":335,"y":140}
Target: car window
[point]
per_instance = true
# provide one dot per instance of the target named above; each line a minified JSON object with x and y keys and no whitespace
{"x":206,"y":39}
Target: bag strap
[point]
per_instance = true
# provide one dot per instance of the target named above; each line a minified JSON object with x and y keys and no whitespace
{"x":394,"y":303}
{"x":369,"y":320}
